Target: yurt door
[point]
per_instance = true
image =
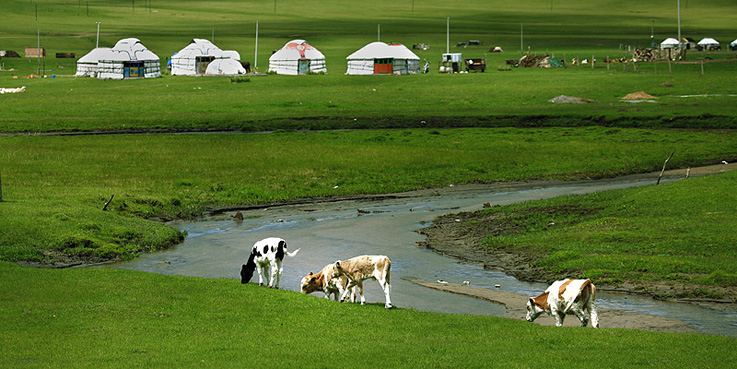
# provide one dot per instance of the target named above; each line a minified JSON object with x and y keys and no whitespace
{"x":201,"y":63}
{"x":304,"y":66}
{"x":383,"y":66}
{"x":132,"y":69}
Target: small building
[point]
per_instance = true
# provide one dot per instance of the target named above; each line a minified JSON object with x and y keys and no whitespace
{"x":35,"y":52}
{"x":88,"y":65}
{"x":688,"y":43}
{"x":224,"y":67}
{"x":194,"y":58}
{"x":710,"y":44}
{"x":297,"y":57}
{"x":128,"y":59}
{"x":669,"y":43}
{"x":381,"y":58}
{"x":451,"y":63}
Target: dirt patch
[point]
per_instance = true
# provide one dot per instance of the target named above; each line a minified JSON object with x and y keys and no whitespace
{"x":608,"y":318}
{"x":641,"y":95}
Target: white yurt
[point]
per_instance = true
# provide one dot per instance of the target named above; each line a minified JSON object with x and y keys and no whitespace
{"x":88,"y":65}
{"x":381,"y":58}
{"x":709,"y":43}
{"x":128,"y":59}
{"x":194,"y":58}
{"x":669,"y":43}
{"x":227,"y":67}
{"x":297,"y":57}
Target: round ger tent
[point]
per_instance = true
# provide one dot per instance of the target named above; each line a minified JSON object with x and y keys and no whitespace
{"x":88,"y":65}
{"x":709,"y":43}
{"x":194,"y":58}
{"x":297,"y":57}
{"x":226,"y":67}
{"x":669,"y":43}
{"x":381,"y":58}
{"x":128,"y":59}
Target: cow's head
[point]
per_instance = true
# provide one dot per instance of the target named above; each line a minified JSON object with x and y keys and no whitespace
{"x":248,"y":269}
{"x":533,"y":310}
{"x":310,"y":283}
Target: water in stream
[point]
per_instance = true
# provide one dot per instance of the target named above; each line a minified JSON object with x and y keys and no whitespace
{"x":326,"y":233}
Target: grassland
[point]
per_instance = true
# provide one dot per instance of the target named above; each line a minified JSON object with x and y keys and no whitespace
{"x":136,"y":319}
{"x":495,"y":98}
{"x":66,"y":180}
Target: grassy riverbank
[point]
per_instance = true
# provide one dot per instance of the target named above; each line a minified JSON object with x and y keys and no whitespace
{"x":143,"y":319}
{"x":673,"y":240}
{"x":54,"y":188}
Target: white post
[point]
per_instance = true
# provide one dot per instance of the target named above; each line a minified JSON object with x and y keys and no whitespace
{"x":521,"y":38}
{"x":447,"y":35}
{"x":97,"y":44}
{"x":679,"y":25}
{"x":255,"y":57}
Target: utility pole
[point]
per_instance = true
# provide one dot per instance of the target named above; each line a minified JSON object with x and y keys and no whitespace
{"x":255,"y":56}
{"x":680,"y":46}
{"x":447,"y":35}
{"x":97,"y":44}
{"x":521,"y":38}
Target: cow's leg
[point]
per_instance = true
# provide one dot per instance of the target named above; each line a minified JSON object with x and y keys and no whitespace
{"x":347,"y":290}
{"x":276,"y":271}
{"x":591,"y":307}
{"x":387,"y":287}
{"x":360,"y":292}
{"x":581,"y":315}
{"x":261,"y":271}
{"x":559,"y":317}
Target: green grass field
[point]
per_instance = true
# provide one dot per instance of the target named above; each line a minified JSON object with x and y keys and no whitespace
{"x":497,"y":97}
{"x":133,"y":319}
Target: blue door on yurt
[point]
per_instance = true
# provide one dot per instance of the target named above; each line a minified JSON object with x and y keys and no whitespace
{"x":304,"y":66}
{"x":132,"y":69}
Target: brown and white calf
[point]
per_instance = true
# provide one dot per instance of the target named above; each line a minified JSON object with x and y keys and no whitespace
{"x":365,"y":267}
{"x":267,"y":253}
{"x":328,"y":281}
{"x":568,"y":296}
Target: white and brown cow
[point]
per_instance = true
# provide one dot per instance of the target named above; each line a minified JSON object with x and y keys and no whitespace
{"x":568,"y":296}
{"x":365,"y":267}
{"x":267,"y":253}
{"x":328,"y":281}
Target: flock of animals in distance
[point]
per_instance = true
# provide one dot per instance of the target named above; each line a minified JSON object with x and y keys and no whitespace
{"x":342,"y":278}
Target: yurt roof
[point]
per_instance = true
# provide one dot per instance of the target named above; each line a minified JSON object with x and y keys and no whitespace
{"x":708,"y":41}
{"x":297,"y":49}
{"x":382,"y":50}
{"x":202,"y":47}
{"x":669,"y":41}
{"x":94,"y":55}
{"x":129,"y":49}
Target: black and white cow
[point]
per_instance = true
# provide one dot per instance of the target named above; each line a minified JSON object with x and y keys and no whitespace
{"x":267,"y":253}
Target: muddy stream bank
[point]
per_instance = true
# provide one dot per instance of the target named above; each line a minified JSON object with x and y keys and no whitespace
{"x":336,"y":230}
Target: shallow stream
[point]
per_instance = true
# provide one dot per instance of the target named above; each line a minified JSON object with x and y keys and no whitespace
{"x":336,"y":231}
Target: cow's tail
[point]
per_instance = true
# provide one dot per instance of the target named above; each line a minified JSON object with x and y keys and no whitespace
{"x":293,"y":253}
